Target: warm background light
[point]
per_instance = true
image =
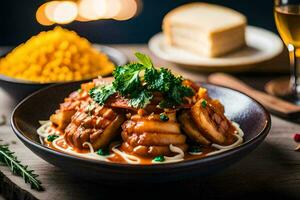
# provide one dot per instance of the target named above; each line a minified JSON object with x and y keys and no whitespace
{"x":112,"y":8}
{"x":63,"y":12}
{"x":99,"y":8}
{"x":129,"y":10}
{"x":41,"y":16}
{"x":50,"y":8}
{"x":81,"y":19}
{"x":86,"y":9}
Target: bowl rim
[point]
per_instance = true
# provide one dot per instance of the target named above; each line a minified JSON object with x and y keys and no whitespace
{"x":13,"y":80}
{"x":176,"y":165}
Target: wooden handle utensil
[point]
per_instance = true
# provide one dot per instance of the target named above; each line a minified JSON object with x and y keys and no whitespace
{"x":272,"y":103}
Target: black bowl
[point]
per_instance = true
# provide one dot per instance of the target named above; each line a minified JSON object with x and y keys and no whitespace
{"x":252,"y":117}
{"x":18,"y":89}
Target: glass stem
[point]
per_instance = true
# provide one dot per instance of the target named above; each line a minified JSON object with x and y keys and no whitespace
{"x":294,"y":71}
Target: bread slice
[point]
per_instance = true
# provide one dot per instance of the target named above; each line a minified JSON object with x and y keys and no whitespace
{"x":207,"y":29}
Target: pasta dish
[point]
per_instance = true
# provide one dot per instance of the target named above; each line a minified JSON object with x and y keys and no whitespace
{"x":143,"y":115}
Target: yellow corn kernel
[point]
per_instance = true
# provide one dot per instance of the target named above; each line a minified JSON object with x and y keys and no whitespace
{"x":56,"y":55}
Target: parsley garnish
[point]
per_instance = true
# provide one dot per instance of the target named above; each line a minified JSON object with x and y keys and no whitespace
{"x":195,"y":149}
{"x":159,"y":159}
{"x":138,"y":81}
{"x":51,"y":138}
{"x":140,"y":98}
{"x":102,"y":93}
{"x":103,"y":152}
{"x":144,"y":59}
{"x":163,"y":117}
{"x":204,"y":103}
{"x":127,"y":78}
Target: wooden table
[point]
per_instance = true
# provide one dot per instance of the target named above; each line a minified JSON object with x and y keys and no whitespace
{"x":272,"y":170}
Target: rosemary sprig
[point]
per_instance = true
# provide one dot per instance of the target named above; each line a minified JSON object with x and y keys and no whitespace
{"x":8,"y":158}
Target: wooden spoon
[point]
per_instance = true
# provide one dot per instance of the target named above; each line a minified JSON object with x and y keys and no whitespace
{"x":274,"y":104}
{"x":278,"y":87}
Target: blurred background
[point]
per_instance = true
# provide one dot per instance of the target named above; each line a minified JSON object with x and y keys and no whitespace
{"x":18,"y":20}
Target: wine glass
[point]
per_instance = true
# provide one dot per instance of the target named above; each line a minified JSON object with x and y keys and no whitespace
{"x":287,"y":18}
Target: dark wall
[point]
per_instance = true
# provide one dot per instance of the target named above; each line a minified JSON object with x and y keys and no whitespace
{"x":18,"y":23}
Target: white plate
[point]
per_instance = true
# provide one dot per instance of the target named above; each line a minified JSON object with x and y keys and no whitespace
{"x":262,"y":45}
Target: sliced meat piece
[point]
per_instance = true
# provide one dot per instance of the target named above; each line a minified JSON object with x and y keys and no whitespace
{"x":97,"y":125}
{"x":189,"y":127}
{"x":109,"y":133}
{"x":212,"y":123}
{"x":62,"y":119}
{"x":148,"y":135}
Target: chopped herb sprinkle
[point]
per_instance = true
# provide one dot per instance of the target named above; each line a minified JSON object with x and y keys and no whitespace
{"x":51,"y":138}
{"x":103,"y":152}
{"x":163,"y":117}
{"x":204,"y":103}
{"x":195,"y":149}
{"x":159,"y":159}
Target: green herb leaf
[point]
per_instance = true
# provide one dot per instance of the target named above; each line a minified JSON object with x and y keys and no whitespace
{"x":204,"y":103}
{"x":163,"y":117}
{"x":103,"y":152}
{"x":102,"y":93}
{"x":127,"y":78}
{"x":166,"y":103}
{"x":195,"y":149}
{"x":144,"y":59}
{"x":140,"y":99}
{"x":159,"y":80}
{"x":159,"y":159}
{"x":51,"y":138}
{"x":164,"y":81}
{"x":180,"y":91}
{"x":8,"y":158}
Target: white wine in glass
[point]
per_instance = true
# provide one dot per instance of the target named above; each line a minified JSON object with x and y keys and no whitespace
{"x":287,"y":18}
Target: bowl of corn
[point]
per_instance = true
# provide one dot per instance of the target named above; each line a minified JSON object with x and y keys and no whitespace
{"x":55,"y":56}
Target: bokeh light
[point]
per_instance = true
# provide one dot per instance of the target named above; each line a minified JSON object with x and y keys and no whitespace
{"x":64,"y":12}
{"x":50,"y":8}
{"x":129,"y":10}
{"x":81,"y":19}
{"x":86,"y":10}
{"x":41,"y":16}
{"x":112,"y":8}
{"x":99,"y":8}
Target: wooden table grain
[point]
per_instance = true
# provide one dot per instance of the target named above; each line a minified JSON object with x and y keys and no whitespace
{"x":272,"y":170}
